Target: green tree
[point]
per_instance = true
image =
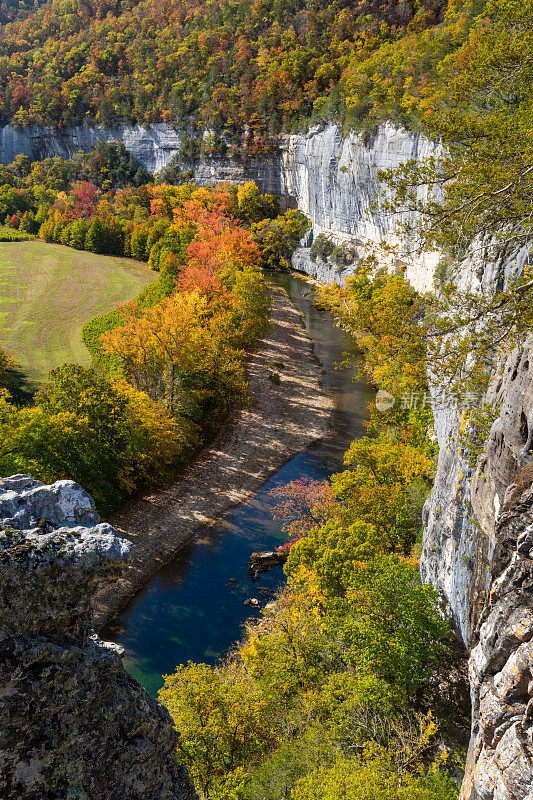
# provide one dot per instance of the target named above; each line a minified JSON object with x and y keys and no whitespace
{"x":384,"y":315}
{"x":396,"y":631}
{"x":223,"y":719}
{"x":107,"y":437}
{"x":479,"y":212}
{"x":27,"y":223}
{"x":6,"y":364}
{"x":385,"y":622}
{"x":64,"y":236}
{"x":96,"y":239}
{"x":138,"y":242}
{"x":278,"y":238}
{"x":251,"y":205}
{"x":253,"y":302}
{"x":78,"y":233}
{"x":386,"y":486}
{"x":378,"y":773}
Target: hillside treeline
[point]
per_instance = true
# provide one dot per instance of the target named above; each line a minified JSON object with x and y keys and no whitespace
{"x":271,"y":64}
{"x":170,"y":364}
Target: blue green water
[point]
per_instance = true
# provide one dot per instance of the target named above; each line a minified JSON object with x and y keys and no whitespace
{"x":191,"y":610}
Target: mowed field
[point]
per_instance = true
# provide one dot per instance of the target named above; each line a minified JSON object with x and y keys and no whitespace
{"x":48,"y":292}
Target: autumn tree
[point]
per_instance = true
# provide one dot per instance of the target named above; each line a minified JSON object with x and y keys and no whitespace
{"x":82,"y":201}
{"x":224,"y":720}
{"x":386,"y":483}
{"x":106,"y":436}
{"x":302,"y":505}
{"x":385,"y":316}
{"x":178,"y":352}
{"x":95,"y":239}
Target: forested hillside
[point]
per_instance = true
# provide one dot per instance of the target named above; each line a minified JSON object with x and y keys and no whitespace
{"x":272,"y":64}
{"x":173,"y":360}
{"x":350,"y":685}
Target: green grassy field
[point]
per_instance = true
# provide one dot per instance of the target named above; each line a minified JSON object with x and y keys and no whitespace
{"x":48,"y":292}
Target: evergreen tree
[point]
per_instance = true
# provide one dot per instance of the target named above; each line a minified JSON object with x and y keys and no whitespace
{"x":96,"y":239}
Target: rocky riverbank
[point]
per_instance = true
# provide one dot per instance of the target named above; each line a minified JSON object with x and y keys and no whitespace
{"x":283,"y":419}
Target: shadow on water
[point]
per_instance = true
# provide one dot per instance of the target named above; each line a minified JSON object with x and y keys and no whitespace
{"x":191,"y":610}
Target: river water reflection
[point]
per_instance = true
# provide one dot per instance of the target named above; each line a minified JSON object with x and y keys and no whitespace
{"x":191,"y":610}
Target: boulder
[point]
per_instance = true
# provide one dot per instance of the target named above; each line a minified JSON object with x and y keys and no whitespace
{"x":26,"y":503}
{"x":73,"y":723}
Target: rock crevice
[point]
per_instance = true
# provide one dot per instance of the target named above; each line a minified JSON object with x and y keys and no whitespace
{"x":501,"y":663}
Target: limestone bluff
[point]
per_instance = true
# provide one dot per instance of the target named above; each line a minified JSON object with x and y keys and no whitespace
{"x":330,"y":176}
{"x":73,"y":723}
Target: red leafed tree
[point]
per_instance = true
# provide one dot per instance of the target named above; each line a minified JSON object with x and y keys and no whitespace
{"x":193,"y":276}
{"x":82,"y":201}
{"x":14,"y":221}
{"x":303,"y":505}
{"x":215,"y":249}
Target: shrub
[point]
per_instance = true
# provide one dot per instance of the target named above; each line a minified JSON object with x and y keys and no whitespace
{"x":8,"y":234}
{"x":322,"y":247}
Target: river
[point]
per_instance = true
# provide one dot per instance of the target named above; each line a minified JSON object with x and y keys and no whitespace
{"x":191,"y":610}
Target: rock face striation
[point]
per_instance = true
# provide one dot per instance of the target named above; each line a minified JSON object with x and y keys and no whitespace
{"x":501,"y":663}
{"x":152,"y":146}
{"x":73,"y":724}
{"x":478,"y":549}
{"x":476,"y":552}
{"x":331,"y":177}
{"x":334,"y":179}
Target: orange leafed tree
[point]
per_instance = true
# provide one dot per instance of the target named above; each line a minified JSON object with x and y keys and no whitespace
{"x":303,"y":504}
{"x":159,"y":344}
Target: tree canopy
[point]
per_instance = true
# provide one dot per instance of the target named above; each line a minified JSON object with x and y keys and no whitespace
{"x":225,"y":64}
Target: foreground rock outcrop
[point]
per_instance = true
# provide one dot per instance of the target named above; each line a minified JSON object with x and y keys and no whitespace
{"x":73,"y":723}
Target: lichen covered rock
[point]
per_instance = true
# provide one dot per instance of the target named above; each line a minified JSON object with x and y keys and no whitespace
{"x":25,"y":502}
{"x":47,"y":579}
{"x":501,"y":664}
{"x":73,"y":723}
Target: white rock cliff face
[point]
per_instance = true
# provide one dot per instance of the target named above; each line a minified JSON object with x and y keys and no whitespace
{"x":456,"y":557}
{"x":153,"y":146}
{"x":335,"y":182}
{"x":332,"y":178}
